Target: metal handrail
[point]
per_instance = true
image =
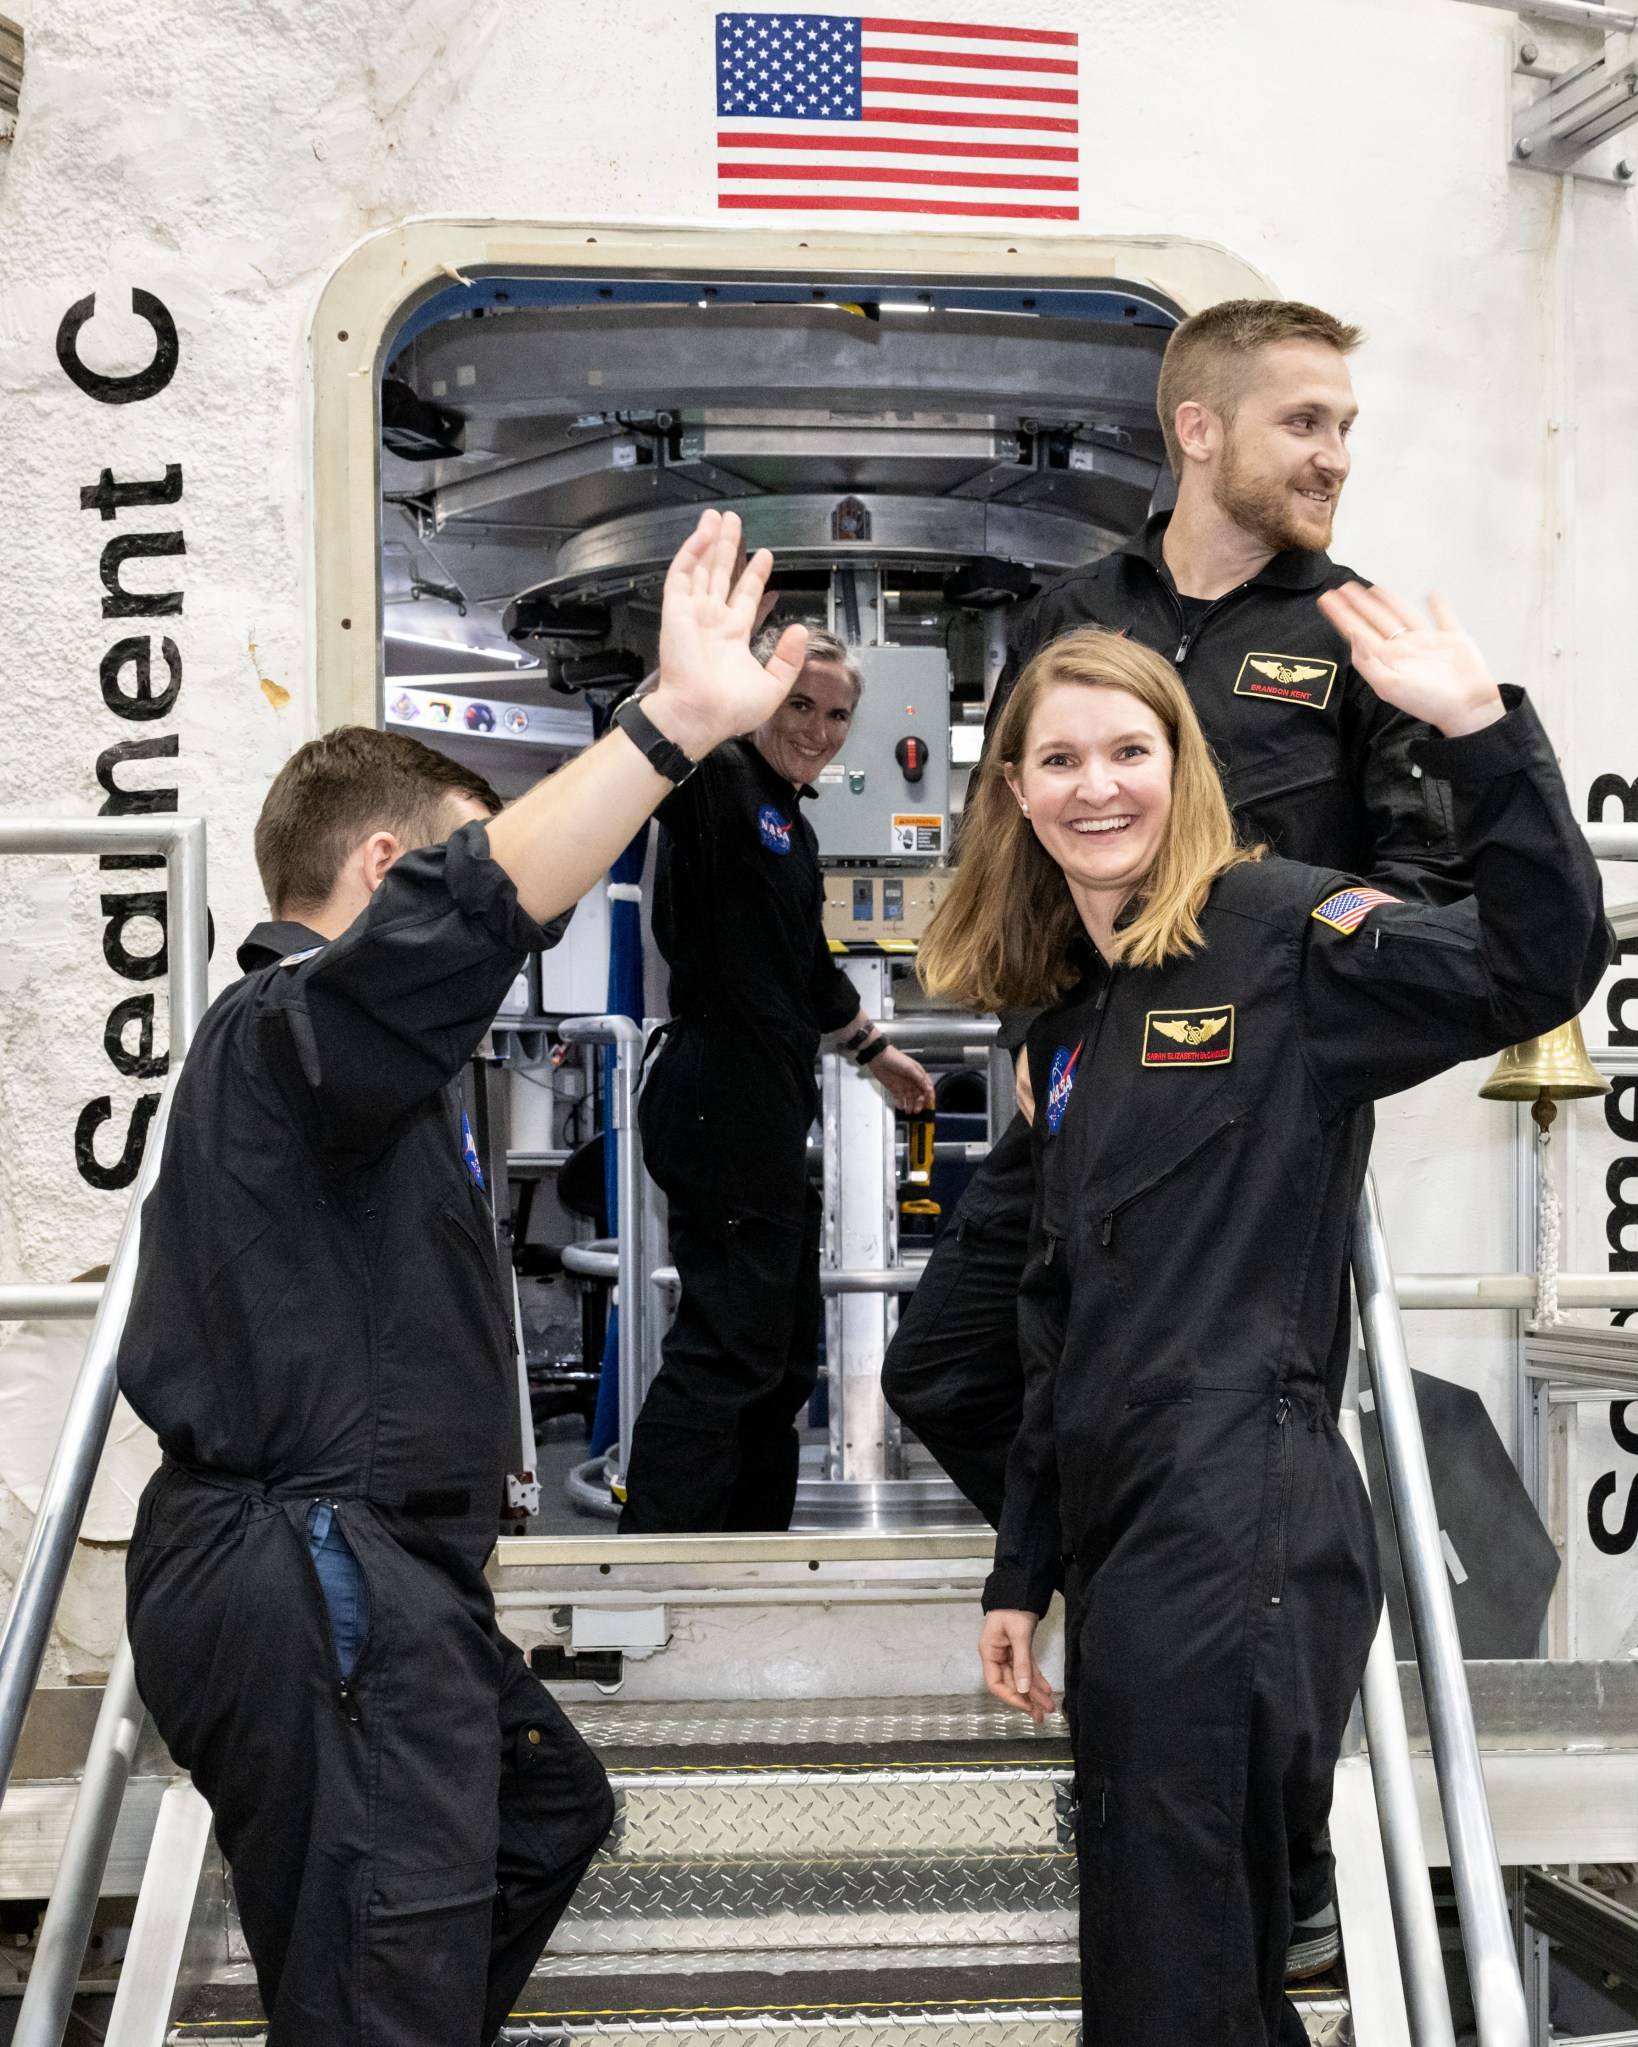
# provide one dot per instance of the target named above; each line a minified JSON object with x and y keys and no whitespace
{"x":628,"y":1039}
{"x":1481,"y":1902}
{"x":72,"y":1303}
{"x":1399,"y":1820}
{"x":67,"y":1489}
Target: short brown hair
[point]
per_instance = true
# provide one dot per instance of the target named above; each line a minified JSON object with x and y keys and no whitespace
{"x":332,"y":793}
{"x":1209,"y":357}
{"x":1002,"y":937}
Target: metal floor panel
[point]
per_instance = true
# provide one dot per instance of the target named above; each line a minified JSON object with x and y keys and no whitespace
{"x":675,"y":1907}
{"x":827,"y":1814}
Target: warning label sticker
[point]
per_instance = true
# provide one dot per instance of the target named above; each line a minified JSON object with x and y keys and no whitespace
{"x":917,"y":835}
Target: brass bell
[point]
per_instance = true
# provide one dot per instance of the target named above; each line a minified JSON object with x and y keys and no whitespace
{"x":1546,"y":1071}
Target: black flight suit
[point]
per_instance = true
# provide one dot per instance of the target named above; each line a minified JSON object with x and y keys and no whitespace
{"x":1314,"y":765}
{"x":738,"y":909}
{"x":1201,"y":1136}
{"x":317,"y":1317}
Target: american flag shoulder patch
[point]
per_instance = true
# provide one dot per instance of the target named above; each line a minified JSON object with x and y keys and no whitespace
{"x":1349,"y":907}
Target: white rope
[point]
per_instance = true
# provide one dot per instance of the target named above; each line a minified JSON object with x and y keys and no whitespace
{"x":1549,"y":1231}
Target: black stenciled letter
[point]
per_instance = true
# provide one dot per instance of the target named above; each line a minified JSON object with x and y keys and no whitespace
{"x":1624,"y":792}
{"x":123,"y":603}
{"x":142,"y":1064}
{"x":135,"y":802}
{"x":139,"y":702}
{"x":146,"y":383}
{"x":126,"y":1167}
{"x":123,"y":911}
{"x":109,"y":496}
{"x":1616,"y":1542}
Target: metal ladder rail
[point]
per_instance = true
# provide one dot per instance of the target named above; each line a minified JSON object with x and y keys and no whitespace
{"x":1481,"y":1902}
{"x":67,"y":1490}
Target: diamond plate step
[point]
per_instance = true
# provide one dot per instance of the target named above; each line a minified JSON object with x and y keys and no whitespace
{"x":845,"y":1809}
{"x":906,"y":1903}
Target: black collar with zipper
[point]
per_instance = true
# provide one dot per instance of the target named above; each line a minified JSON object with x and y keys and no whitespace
{"x":1314,"y":764}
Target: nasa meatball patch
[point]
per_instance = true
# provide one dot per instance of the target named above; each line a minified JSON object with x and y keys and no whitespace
{"x":1061,"y":1085}
{"x":1288,"y":679}
{"x":1189,"y":1037}
{"x":773,"y":830}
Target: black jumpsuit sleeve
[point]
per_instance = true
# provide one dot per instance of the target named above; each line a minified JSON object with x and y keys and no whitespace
{"x":835,"y":999}
{"x":1415,"y":988}
{"x":1029,"y":1542}
{"x":388,"y":1013}
{"x":1410,"y":828}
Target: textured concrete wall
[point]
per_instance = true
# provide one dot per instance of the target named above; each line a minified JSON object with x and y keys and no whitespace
{"x":225,"y":158}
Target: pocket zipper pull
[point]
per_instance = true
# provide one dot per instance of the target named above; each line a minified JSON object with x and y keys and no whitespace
{"x":1052,"y":1245}
{"x":1107,"y":1229}
{"x":348,"y":1704}
{"x":1282,"y":1414}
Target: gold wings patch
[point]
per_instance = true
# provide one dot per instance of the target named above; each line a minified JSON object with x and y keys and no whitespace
{"x":1182,"y":1032}
{"x":1286,"y":671}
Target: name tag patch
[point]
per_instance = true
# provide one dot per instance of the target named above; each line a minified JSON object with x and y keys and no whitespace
{"x":1061,"y":1085}
{"x":773,"y":830}
{"x":1189,"y":1037}
{"x":1288,"y":678}
{"x":1349,"y":907}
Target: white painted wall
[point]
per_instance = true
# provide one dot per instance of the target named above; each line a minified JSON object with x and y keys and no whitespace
{"x":226,"y":158}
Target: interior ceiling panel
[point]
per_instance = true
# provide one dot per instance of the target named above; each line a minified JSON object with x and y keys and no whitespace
{"x":690,"y":357}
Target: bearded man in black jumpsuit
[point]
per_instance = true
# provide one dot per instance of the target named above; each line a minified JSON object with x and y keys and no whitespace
{"x":1200,"y":1141}
{"x":1256,"y":405}
{"x":318,"y":1338}
{"x":738,"y":915}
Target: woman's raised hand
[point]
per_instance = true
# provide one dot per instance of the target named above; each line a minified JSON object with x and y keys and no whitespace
{"x":1432,"y":672}
{"x":711,"y":685}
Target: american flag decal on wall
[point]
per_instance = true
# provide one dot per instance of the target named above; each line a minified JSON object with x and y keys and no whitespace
{"x":871,"y":114}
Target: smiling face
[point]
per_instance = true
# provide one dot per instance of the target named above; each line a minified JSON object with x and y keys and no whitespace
{"x":1095,"y":781}
{"x":1284,"y":456}
{"x":805,"y":734}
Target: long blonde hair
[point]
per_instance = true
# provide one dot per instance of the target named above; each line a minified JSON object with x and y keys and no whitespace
{"x":1002,"y":936}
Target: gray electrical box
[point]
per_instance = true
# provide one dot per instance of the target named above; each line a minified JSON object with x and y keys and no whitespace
{"x":868,"y":807}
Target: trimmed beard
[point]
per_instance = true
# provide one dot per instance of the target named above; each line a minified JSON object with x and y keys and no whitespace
{"x":1262,"y":507}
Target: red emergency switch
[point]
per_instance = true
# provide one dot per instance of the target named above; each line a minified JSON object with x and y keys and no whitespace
{"x":911,"y":755}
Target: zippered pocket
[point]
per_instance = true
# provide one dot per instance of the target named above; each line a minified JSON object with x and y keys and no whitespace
{"x":1282,"y":1429}
{"x":1229,"y":1117}
{"x":342,"y":1683}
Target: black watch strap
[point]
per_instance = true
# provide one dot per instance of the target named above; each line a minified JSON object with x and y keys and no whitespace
{"x":661,"y":753}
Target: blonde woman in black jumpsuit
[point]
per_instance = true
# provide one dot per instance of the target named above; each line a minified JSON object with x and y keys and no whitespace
{"x":1202,"y":1099}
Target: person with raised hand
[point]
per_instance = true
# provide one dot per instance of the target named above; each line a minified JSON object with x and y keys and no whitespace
{"x":320,"y":1340}
{"x":1215,"y":1026}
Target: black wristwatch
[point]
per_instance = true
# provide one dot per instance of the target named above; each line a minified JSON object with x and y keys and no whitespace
{"x":662,"y":754}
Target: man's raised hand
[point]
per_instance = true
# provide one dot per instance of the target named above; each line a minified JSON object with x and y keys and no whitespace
{"x":1432,"y":672}
{"x":711,"y":685}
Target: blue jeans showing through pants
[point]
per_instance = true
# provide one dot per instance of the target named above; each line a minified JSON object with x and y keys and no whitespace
{"x":346,"y":1595}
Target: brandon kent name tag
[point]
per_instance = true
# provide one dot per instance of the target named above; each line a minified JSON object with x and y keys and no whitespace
{"x":1288,"y":678}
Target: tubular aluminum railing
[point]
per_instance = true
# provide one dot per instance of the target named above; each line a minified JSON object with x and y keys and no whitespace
{"x":44,"y":2016}
{"x":1481,"y":1902}
{"x":68,"y":1483}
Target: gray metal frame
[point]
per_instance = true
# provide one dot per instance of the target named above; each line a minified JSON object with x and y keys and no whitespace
{"x":627,"y":1039}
